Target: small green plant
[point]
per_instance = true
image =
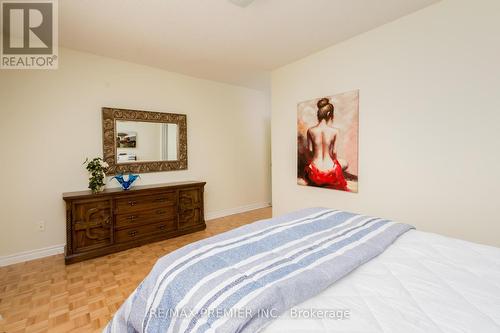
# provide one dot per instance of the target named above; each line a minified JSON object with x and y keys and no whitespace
{"x":97,"y":169}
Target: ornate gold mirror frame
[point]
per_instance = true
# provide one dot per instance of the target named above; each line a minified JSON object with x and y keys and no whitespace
{"x":109,"y":118}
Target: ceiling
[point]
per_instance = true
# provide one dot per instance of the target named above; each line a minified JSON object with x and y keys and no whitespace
{"x":217,"y":40}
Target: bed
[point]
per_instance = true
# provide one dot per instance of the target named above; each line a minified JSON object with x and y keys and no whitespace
{"x":422,"y":283}
{"x":345,"y":273}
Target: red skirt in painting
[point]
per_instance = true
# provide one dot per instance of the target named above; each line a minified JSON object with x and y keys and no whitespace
{"x":333,"y":178}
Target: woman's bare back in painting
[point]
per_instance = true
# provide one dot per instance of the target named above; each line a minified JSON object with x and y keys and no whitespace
{"x":324,"y":168}
{"x":321,"y":140}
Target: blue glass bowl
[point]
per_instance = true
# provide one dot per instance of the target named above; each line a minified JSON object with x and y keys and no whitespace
{"x":126,"y":184}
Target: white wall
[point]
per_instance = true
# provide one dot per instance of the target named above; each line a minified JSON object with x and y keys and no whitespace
{"x":50,"y":122}
{"x":429,"y":120}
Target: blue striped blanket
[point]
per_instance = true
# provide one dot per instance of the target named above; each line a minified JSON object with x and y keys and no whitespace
{"x":241,"y":280}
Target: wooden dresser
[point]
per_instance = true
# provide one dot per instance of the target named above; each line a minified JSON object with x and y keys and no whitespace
{"x":115,"y":220}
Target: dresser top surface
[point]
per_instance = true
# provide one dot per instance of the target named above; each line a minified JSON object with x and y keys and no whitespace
{"x":135,"y":189}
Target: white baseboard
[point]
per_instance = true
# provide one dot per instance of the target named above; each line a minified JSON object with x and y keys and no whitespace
{"x":31,"y":255}
{"x":237,"y":210}
{"x":58,"y":249}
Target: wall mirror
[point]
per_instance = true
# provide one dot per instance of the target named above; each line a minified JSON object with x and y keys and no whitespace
{"x":143,"y":141}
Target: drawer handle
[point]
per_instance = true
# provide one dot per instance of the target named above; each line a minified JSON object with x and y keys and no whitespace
{"x":162,"y":227}
{"x":132,"y":233}
{"x":161,"y":200}
{"x":132,"y":217}
{"x":132,"y":203}
{"x":159,"y":212}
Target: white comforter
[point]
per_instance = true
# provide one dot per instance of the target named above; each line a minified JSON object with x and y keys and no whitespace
{"x":422,"y":283}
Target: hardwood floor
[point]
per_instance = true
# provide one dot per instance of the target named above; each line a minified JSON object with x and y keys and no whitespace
{"x":44,"y":295}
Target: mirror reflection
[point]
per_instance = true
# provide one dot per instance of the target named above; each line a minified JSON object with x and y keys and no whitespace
{"x":146,"y":141}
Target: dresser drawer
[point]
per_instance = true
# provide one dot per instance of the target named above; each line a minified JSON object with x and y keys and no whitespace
{"x":145,"y":231}
{"x":145,"y":202}
{"x":142,"y":217}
